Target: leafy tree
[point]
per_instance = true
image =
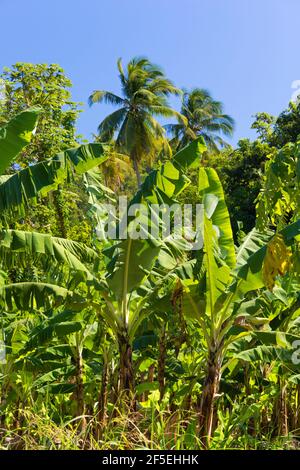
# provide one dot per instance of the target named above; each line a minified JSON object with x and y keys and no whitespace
{"x":145,"y":90}
{"x":264,"y":124}
{"x":46,"y":86}
{"x":241,"y":171}
{"x":277,"y":132}
{"x":204,"y":117}
{"x":287,"y":125}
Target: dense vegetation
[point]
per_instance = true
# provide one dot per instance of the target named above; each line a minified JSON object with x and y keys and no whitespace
{"x":146,"y":342}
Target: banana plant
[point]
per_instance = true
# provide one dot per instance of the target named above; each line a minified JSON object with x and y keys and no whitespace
{"x":278,"y":314}
{"x":133,"y":274}
{"x":37,"y":180}
{"x":221,"y":281}
{"x":56,"y":352}
{"x":122,"y":296}
{"x":19,"y":249}
{"x":26,"y":185}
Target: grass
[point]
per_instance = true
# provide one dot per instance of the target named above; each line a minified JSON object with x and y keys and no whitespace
{"x":152,"y":429}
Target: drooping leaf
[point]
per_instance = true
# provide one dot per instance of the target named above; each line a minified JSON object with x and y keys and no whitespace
{"x":40,"y":178}
{"x":35,"y":295}
{"x":15,"y":244}
{"x":212,"y":196}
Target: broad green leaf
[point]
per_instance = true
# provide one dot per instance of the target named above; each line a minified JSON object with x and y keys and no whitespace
{"x":146,"y":387}
{"x":217,"y":277}
{"x":212,"y":195}
{"x":15,"y":244}
{"x":16,"y":135}
{"x":132,"y":259}
{"x":190,"y":156}
{"x":251,"y":271}
{"x":18,"y":189}
{"x":130,"y":265}
{"x":265,"y":354}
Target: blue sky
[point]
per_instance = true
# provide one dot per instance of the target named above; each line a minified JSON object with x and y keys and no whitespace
{"x":244,"y":51}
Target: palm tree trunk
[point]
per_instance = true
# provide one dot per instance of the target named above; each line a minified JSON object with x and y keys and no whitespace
{"x":207,"y":402}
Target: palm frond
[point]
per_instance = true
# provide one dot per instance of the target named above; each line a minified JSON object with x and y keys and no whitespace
{"x":112,"y":122}
{"x":99,"y":96}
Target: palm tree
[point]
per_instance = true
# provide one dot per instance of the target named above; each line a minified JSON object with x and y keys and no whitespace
{"x":204,"y":117}
{"x":137,"y":133}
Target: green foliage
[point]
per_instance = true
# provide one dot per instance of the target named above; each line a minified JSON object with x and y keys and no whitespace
{"x":279,"y":200}
{"x":241,"y":171}
{"x":212,"y":196}
{"x":145,"y":342}
{"x":279,"y":131}
{"x":203,"y":117}
{"x":16,"y":135}
{"x":40,"y":178}
{"x":137,"y":133}
{"x":45,"y":86}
